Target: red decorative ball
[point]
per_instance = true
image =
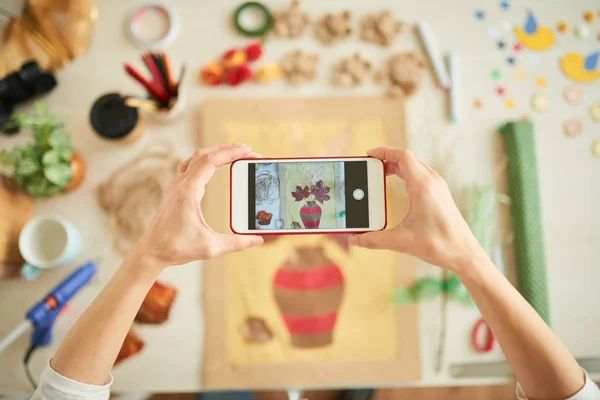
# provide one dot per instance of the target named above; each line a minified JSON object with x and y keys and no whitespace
{"x":245,"y":73}
{"x":254,"y":51}
{"x":232,"y":77}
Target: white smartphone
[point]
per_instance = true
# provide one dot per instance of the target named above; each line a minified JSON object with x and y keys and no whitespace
{"x":307,"y":195}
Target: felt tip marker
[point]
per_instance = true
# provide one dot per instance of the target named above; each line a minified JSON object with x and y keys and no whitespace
{"x":455,"y":78}
{"x":433,"y":53}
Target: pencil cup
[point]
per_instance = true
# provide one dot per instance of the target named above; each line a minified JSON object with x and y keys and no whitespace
{"x":171,"y":114}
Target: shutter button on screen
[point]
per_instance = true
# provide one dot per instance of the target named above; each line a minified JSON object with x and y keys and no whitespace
{"x":358,"y":194}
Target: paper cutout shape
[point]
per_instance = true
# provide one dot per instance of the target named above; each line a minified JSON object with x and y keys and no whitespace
{"x":579,"y":68}
{"x":533,"y":36}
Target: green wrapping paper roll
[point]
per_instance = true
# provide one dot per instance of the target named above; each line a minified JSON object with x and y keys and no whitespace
{"x":519,"y":145}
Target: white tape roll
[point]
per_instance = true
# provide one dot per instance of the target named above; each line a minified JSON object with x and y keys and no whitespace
{"x":148,"y":35}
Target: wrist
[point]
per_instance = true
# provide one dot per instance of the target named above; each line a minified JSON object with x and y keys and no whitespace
{"x":475,"y":267}
{"x":143,"y":263}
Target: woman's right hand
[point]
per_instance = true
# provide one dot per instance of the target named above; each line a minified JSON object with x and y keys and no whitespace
{"x":433,"y":228}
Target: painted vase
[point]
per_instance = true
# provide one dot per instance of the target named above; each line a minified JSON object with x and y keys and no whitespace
{"x":308,"y":291}
{"x":310,"y":214}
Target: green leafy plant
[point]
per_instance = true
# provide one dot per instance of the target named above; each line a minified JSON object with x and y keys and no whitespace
{"x":41,"y":168}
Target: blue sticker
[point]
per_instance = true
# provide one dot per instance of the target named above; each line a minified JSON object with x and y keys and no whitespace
{"x":511,"y":60}
{"x":480,"y":15}
{"x":591,"y":61}
{"x":531,"y":24}
{"x":505,"y":5}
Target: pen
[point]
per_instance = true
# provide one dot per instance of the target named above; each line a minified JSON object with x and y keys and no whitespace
{"x":433,"y":53}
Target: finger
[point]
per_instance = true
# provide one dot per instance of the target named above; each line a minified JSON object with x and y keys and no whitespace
{"x":409,"y":167}
{"x":182,"y":167}
{"x":202,"y":152}
{"x":375,"y":240}
{"x":390,"y":168}
{"x":203,"y":169}
{"x":233,"y":243}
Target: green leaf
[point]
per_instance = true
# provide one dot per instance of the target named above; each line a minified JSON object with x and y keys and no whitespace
{"x":58,"y":139}
{"x":26,"y":167}
{"x":6,"y":157}
{"x":53,"y":190}
{"x":51,"y":157}
{"x":60,"y":175}
{"x":403,"y":296}
{"x":41,"y":108}
{"x":428,"y":288}
{"x":65,"y":154}
{"x":36,"y":187}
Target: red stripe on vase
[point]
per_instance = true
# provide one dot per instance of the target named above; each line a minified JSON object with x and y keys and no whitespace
{"x":310,"y":325}
{"x":309,"y":279}
{"x":311,"y":210}
{"x":311,"y":224}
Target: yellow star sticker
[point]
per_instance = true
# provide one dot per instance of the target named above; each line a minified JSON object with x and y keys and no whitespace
{"x":541,"y":81}
{"x":519,"y":73}
{"x":509,"y":103}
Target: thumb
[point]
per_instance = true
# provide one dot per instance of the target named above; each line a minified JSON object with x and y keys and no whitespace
{"x":235,"y":243}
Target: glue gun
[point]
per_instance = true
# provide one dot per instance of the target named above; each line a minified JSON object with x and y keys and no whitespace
{"x":43,"y":315}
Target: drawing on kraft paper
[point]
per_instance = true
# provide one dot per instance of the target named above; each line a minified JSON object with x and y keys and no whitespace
{"x":309,"y":297}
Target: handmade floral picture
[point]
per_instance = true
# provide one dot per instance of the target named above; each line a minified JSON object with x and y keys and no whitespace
{"x":300,"y":195}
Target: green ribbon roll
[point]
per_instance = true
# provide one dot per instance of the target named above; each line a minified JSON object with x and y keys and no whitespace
{"x":519,"y":145}
{"x":260,"y":8}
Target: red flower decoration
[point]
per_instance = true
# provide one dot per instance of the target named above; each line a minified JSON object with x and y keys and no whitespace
{"x":321,"y":192}
{"x":300,"y":194}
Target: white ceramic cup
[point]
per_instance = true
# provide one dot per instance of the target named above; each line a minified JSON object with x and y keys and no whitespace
{"x":48,"y":241}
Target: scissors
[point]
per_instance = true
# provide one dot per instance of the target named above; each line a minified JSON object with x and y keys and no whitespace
{"x":489,"y":340}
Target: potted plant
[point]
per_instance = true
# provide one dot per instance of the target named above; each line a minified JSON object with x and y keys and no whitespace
{"x":48,"y":166}
{"x":310,"y":213}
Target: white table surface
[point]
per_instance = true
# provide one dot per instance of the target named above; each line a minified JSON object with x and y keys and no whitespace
{"x":568,"y":173}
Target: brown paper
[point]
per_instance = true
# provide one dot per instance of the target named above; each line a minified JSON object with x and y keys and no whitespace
{"x":235,"y":288}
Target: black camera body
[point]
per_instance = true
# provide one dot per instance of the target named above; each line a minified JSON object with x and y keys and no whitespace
{"x":21,"y":86}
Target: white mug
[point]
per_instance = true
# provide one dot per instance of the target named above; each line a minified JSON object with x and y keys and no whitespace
{"x":48,"y":241}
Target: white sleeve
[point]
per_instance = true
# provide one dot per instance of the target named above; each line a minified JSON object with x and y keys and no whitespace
{"x":54,"y":386}
{"x":589,"y":391}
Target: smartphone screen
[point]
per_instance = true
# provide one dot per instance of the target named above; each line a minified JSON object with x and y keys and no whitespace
{"x":308,"y":195}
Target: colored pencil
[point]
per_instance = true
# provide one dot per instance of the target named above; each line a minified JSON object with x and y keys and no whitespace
{"x":181,"y":75}
{"x":153,"y":68}
{"x":169,"y":73}
{"x":155,"y":91}
{"x":144,"y":104}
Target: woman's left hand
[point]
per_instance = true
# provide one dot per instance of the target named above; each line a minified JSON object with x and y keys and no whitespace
{"x":179,"y":233}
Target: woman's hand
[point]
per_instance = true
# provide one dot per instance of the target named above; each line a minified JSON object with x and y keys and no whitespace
{"x":179,"y":233}
{"x":433,"y":228}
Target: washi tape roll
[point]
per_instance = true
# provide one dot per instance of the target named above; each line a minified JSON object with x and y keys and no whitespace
{"x":260,"y":30}
{"x":153,"y":26}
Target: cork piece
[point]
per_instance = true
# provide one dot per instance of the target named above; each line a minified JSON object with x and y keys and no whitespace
{"x":290,"y":23}
{"x":402,"y":73}
{"x":255,"y":330}
{"x":333,"y":28}
{"x":350,"y":71}
{"x":299,"y":67}
{"x":380,"y":28}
